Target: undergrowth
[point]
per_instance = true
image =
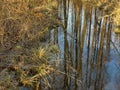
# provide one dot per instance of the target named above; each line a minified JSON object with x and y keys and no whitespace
{"x":24,"y":33}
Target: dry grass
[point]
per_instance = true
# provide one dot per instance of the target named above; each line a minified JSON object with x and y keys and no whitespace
{"x":24,"y":27}
{"x":116,"y":18}
{"x":23,"y":21}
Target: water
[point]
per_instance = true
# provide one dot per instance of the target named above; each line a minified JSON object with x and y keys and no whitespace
{"x":89,"y":49}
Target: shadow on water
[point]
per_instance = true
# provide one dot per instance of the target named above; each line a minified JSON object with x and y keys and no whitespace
{"x":90,"y":50}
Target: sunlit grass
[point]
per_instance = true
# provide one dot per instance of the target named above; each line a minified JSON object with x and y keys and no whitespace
{"x":24,"y":27}
{"x":116,"y":18}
